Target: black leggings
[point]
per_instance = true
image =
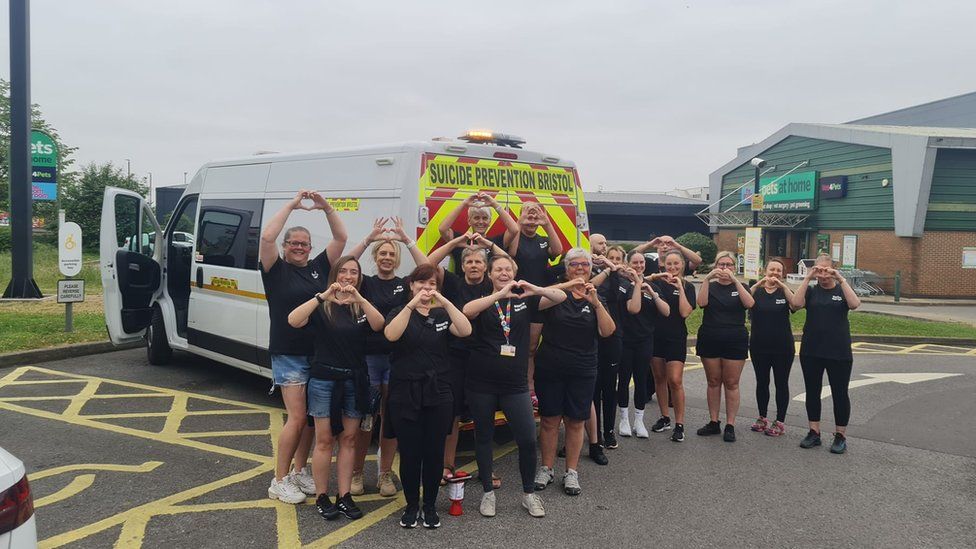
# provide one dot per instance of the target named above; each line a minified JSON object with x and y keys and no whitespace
{"x":605,"y":395}
{"x":518,"y":413}
{"x":635,"y":361}
{"x":421,"y":446}
{"x":839,"y":376}
{"x":780,"y":365}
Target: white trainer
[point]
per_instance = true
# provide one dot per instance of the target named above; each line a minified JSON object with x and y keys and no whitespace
{"x":640,"y":431}
{"x":488,"y":504}
{"x":624,"y":428}
{"x":533,"y":504}
{"x":286,"y":491}
{"x":303,"y":479}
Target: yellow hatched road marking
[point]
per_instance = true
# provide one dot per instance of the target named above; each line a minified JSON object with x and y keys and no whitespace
{"x":77,"y":485}
{"x":144,"y":468}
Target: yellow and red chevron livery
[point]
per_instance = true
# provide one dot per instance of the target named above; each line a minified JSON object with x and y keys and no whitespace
{"x":445,"y":181}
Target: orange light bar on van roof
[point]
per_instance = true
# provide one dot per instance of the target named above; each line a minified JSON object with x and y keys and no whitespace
{"x":490,"y":137}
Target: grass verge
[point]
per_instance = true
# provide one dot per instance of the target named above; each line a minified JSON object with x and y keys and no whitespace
{"x":46,"y":272}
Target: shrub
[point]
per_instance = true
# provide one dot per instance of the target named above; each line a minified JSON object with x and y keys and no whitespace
{"x":700,"y":243}
{"x":4,"y":239}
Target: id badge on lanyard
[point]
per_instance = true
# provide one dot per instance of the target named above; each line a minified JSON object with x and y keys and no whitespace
{"x":505,"y":318}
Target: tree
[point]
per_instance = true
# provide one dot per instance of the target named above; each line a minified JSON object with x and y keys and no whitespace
{"x":82,"y":200}
{"x":700,"y":243}
{"x":47,"y":210}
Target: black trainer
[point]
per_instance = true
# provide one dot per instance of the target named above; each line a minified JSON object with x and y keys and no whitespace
{"x":679,"y":433}
{"x":662,"y":424}
{"x":840,"y":444}
{"x":597,"y":455}
{"x":812,"y":439}
{"x":431,"y":520}
{"x":610,"y":441}
{"x":562,"y":452}
{"x":348,"y":507}
{"x":409,"y":518}
{"x":710,"y":428}
{"x":326,"y":508}
{"x":729,"y":435}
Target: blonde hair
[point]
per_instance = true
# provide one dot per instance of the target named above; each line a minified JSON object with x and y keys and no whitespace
{"x":479,"y":208}
{"x":623,"y":252}
{"x":355,"y":309}
{"x":727,"y":254}
{"x":824,"y":258}
{"x":375,"y":251}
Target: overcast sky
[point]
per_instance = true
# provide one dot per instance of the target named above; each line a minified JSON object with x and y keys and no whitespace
{"x":641,"y":95}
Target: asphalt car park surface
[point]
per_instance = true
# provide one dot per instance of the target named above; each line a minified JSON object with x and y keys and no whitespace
{"x":124,"y":454}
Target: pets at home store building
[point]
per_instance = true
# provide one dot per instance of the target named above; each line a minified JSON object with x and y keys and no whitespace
{"x":877,"y":198}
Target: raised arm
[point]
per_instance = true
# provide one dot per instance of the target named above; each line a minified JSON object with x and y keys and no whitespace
{"x":799,"y":299}
{"x":418,"y":256}
{"x":744,"y":296}
{"x":268,"y":249}
{"x":460,"y":325}
{"x":548,"y":297}
{"x":634,"y":302}
{"x":339,"y":235}
{"x":641,"y":248}
{"x":662,"y":306}
{"x":684,"y":306}
{"x":691,"y":257}
{"x":373,"y":316}
{"x":853,"y":302}
{"x":605,"y":325}
{"x":511,"y":227}
{"x":475,"y":307}
{"x":447,"y":233}
{"x":395,"y":328}
{"x":377,"y":230}
{"x":299,"y":316}
{"x":555,"y":243}
{"x":445,"y":250}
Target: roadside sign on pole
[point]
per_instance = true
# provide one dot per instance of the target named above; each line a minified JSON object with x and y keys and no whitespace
{"x":758,"y":201}
{"x":753,"y":248}
{"x":69,"y":248}
{"x":44,"y":166}
{"x":71,"y":291}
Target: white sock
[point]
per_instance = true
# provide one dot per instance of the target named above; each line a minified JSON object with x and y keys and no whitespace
{"x":623,"y":412}
{"x":638,"y":415}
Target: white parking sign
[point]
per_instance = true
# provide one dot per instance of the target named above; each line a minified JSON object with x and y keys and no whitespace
{"x":71,"y":291}
{"x":69,"y":248}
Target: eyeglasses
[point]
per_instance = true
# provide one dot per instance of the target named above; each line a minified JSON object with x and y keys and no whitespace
{"x":730,"y":265}
{"x":578,"y":264}
{"x":298,"y":244}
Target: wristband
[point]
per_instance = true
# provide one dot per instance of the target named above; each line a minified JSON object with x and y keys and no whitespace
{"x":319,"y":298}
{"x":411,"y":244}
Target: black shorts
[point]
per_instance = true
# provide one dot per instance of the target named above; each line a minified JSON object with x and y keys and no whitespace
{"x":729,"y":344}
{"x":671,"y":349}
{"x":562,"y":394}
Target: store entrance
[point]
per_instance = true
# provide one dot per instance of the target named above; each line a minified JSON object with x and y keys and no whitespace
{"x":791,"y":246}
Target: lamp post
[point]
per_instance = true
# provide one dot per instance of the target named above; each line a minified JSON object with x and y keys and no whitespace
{"x":758,"y":164}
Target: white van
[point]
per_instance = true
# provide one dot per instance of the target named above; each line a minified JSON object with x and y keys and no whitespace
{"x":207,"y":298}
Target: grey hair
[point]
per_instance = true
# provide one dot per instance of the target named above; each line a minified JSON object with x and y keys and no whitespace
{"x":479,"y":208}
{"x":297,"y":228}
{"x":824,"y":258}
{"x":574,"y":253}
{"x":471,"y":251}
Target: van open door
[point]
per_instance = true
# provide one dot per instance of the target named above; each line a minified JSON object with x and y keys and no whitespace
{"x":130,"y":250}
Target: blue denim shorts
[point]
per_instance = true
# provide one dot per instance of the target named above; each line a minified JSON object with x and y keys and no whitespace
{"x":320,"y":398}
{"x":379,"y":369}
{"x":289,"y":369}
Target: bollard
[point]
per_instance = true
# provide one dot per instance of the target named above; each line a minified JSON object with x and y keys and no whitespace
{"x":455,"y":493}
{"x":897,"y":286}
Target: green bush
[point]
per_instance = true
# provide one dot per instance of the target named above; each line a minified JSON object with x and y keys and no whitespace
{"x":4,"y":239}
{"x":700,"y":243}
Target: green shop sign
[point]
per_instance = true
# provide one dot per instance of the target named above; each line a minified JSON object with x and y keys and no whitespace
{"x":793,"y":192}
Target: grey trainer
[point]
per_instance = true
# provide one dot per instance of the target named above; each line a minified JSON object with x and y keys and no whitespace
{"x":543,"y":477}
{"x":571,"y":483}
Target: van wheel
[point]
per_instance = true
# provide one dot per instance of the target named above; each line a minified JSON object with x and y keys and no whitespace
{"x":157,"y":348}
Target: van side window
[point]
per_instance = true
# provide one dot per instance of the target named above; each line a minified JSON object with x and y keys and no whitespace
{"x":229,"y":232}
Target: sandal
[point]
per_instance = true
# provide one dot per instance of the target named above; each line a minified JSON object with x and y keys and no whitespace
{"x":448,"y":475}
{"x":496,"y":482}
{"x":760,"y":425}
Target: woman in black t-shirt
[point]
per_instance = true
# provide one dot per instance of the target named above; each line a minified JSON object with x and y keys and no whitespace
{"x":638,"y":348}
{"x":338,"y":390}
{"x":289,"y":280}
{"x":826,"y":347}
{"x":723,"y":341}
{"x":420,"y":404}
{"x":771,"y":345}
{"x":497,"y":374}
{"x":385,"y":290}
{"x":566,"y":366}
{"x":471,"y":284}
{"x":478,"y":207}
{"x":671,"y":341}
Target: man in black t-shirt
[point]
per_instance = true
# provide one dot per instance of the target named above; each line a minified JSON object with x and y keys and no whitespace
{"x":533,"y":251}
{"x":664,"y":244}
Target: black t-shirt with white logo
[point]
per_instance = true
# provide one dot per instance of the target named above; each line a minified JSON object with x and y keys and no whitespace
{"x":771,"y":332}
{"x":725,"y":314}
{"x":498,"y":240}
{"x":615,"y":292}
{"x":569,"y":337}
{"x":339,"y":342}
{"x":385,"y":295}
{"x":488,"y":370}
{"x":286,"y":287}
{"x":459,"y":292}
{"x":827,"y":331}
{"x":640,"y":327}
{"x":421,"y":348}
{"x":673,"y":326}
{"x":532,"y":258}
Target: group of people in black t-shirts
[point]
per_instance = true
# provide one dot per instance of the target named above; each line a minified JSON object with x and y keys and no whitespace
{"x":506,"y":331}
